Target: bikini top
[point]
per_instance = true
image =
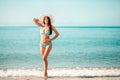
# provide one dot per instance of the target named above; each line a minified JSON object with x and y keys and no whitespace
{"x":42,"y":32}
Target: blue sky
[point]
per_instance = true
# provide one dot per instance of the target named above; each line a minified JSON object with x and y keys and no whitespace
{"x":66,"y":12}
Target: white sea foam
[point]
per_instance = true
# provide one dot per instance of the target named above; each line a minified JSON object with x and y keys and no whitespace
{"x":62,"y":72}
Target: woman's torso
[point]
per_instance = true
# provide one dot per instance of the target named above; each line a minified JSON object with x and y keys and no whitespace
{"x":45,"y":33}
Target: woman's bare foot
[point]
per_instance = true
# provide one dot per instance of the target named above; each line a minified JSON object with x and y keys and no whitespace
{"x":45,"y":76}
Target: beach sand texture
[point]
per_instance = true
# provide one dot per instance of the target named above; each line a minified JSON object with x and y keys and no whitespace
{"x":60,"y":78}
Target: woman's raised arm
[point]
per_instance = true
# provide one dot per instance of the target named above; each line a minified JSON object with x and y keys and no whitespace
{"x":36,"y":22}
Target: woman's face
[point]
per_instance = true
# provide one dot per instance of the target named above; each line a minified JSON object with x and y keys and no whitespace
{"x":46,"y":20}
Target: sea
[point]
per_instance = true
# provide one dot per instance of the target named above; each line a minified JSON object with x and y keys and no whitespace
{"x":78,"y":51}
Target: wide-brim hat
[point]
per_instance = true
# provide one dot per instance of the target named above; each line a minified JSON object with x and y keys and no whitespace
{"x":42,"y":17}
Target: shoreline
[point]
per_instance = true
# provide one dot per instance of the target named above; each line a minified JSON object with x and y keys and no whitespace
{"x":63,"y":72}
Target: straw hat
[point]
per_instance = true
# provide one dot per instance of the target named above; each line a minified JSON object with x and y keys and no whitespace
{"x":42,"y":17}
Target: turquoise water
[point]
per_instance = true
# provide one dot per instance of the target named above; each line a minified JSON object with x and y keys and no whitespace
{"x":75,"y":47}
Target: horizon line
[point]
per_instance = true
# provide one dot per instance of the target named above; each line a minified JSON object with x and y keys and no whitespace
{"x":67,"y":26}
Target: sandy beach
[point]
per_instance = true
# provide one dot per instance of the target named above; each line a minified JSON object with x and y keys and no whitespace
{"x":61,"y":74}
{"x":60,"y":78}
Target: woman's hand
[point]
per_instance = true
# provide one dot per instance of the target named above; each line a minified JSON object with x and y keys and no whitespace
{"x":48,"y":40}
{"x":35,"y":19}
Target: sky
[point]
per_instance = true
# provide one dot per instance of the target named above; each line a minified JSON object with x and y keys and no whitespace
{"x":65,"y":12}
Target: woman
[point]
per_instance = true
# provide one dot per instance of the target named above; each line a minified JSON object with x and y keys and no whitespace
{"x":46,"y":41}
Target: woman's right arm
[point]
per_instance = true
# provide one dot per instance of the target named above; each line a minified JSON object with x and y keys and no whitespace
{"x":36,"y":22}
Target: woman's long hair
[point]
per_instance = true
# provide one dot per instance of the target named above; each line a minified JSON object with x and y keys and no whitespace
{"x":49,"y":24}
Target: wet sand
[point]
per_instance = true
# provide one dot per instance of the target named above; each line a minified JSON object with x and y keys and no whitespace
{"x":59,"y":78}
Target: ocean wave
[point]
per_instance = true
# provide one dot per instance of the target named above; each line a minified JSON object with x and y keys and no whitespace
{"x":62,"y":72}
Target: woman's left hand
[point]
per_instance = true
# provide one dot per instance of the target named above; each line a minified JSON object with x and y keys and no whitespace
{"x":48,"y":40}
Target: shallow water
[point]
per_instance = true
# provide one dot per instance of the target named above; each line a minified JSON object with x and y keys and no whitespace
{"x":75,"y":47}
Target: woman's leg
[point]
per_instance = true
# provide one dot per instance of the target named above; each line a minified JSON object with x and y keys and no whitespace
{"x":46,"y":53}
{"x":42,"y":50}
